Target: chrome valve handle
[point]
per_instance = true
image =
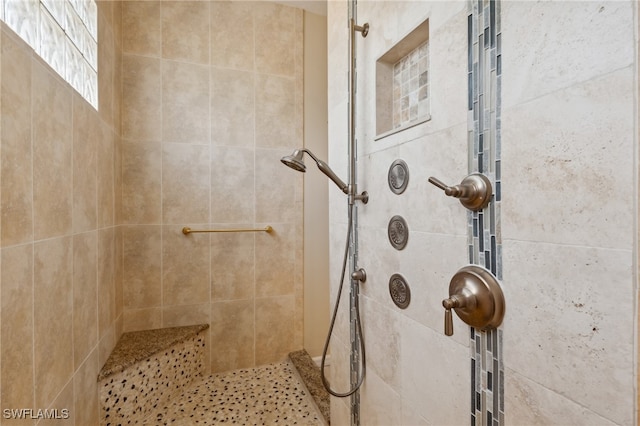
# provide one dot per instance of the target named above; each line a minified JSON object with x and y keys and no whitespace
{"x":474,"y":191}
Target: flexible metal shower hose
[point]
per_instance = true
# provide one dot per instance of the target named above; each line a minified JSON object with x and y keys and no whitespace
{"x":363,"y":370}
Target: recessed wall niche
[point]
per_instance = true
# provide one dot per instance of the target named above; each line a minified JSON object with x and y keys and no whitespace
{"x":402,"y":83}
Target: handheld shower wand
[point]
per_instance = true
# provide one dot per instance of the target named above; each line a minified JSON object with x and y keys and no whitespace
{"x":296,"y":162}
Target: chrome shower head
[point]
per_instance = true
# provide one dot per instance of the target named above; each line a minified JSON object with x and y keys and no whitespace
{"x":295,"y":161}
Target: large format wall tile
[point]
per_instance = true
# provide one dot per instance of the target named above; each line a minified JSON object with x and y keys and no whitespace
{"x":185,"y":31}
{"x":381,"y":405}
{"x":142,"y":266}
{"x":275,"y":188}
{"x":185,"y":267}
{"x":587,"y":40}
{"x":232,"y":266}
{"x":106,"y":180}
{"x":276,"y":23}
{"x":573,"y":175}
{"x":531,"y":403}
{"x":85,"y":388}
{"x":185,"y":183}
{"x":235,"y":52}
{"x":16,"y":354}
{"x":435,"y":365}
{"x":185,"y":102}
{"x":232,"y":107}
{"x":107,"y":91}
{"x":274,"y":264}
{"x":143,"y":34}
{"x":85,"y":214}
{"x":232,"y":335}
{"x":140,"y":319}
{"x":85,"y":295}
{"x":52,"y":154}
{"x":53,"y":310}
{"x":232,"y":184}
{"x":17,"y":154}
{"x":141,"y":98}
{"x":383,"y":350}
{"x":141,"y":168}
{"x":580,"y":318}
{"x":274,"y":328}
{"x":275,"y":105}
{"x":183,"y":315}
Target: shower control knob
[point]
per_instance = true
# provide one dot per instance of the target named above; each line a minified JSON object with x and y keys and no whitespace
{"x":474,"y":191}
{"x":476,"y":296}
{"x":359,"y":275}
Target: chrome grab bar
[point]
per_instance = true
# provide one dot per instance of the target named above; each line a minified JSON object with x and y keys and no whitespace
{"x":186,"y":230}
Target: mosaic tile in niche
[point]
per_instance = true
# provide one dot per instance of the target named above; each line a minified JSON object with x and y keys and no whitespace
{"x":410,"y":86}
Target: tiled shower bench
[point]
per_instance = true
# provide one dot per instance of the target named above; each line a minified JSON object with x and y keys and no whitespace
{"x":147,"y":368}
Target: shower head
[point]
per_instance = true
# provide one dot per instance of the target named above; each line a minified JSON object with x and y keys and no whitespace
{"x":295,"y":162}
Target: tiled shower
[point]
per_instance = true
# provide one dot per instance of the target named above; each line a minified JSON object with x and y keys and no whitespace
{"x":542,"y":98}
{"x":193,"y":116}
{"x":207,"y":112}
{"x":197,"y":103}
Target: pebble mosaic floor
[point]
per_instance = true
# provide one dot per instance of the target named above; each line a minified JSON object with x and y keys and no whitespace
{"x":267,"y":395}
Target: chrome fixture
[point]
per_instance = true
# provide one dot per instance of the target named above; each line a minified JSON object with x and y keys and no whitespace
{"x":359,"y":275}
{"x":364,"y":29}
{"x":474,"y":191}
{"x":398,"y":176}
{"x":296,"y":162}
{"x":476,"y":296}
{"x":357,"y":359}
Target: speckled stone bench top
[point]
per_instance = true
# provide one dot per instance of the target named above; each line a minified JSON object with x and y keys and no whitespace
{"x":310,"y":374}
{"x":137,"y":346}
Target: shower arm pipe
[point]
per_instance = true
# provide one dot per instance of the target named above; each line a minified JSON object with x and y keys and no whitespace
{"x":186,"y":230}
{"x":324,"y":168}
{"x":347,"y":189}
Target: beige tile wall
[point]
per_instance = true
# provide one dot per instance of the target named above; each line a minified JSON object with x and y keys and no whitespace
{"x":60,"y":282}
{"x":212,"y":98}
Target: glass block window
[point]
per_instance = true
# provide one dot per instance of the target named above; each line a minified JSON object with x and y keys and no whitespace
{"x":411,"y":86}
{"x":64,"y":33}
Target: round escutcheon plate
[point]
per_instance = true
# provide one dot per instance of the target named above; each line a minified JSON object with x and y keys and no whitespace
{"x":398,"y":176}
{"x":398,"y":232}
{"x":399,"y":291}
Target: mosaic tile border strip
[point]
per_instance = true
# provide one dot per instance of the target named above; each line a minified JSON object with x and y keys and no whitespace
{"x":484,"y":237}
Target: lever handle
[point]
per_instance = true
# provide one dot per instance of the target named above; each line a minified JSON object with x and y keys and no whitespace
{"x":474,"y":191}
{"x":448,"y":316}
{"x":452,"y":191}
{"x":438,"y":183}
